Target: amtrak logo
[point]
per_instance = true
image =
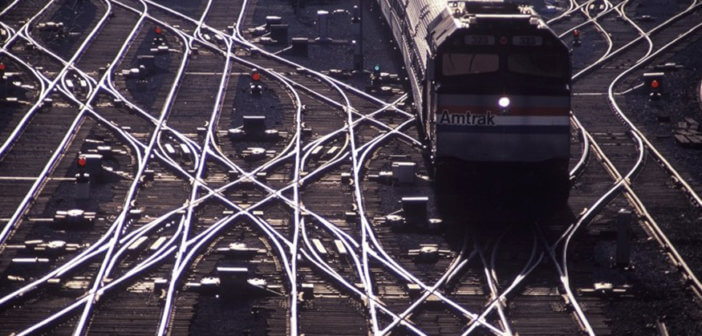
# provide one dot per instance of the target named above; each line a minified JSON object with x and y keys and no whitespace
{"x":487,"y":119}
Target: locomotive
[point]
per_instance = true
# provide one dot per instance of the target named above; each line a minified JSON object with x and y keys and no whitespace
{"x":491,"y":86}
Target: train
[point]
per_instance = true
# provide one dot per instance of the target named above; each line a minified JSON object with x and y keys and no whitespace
{"x":491,"y":85}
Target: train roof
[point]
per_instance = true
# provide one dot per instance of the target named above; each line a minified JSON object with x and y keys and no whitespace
{"x":463,"y":14}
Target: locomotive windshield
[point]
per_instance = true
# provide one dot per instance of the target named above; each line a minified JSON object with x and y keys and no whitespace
{"x":538,"y":64}
{"x":457,"y":64}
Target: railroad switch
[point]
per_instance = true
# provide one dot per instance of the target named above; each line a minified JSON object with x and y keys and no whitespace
{"x":605,"y":289}
{"x":427,"y":253}
{"x":239,"y":251}
{"x":207,"y":285}
{"x":75,"y":218}
{"x":255,"y":153}
{"x":394,"y":221}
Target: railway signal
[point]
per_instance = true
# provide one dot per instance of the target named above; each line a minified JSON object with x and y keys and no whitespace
{"x":375,"y":76}
{"x":159,"y":39}
{"x":256,"y":86}
{"x":576,"y":38}
{"x":654,"y":82}
{"x":82,"y":162}
{"x":2,"y":70}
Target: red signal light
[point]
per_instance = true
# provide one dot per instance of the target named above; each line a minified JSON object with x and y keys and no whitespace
{"x":256,"y":76}
{"x":82,"y":162}
{"x":576,"y":33}
{"x":655,"y":84}
{"x":2,"y":66}
{"x":158,"y":30}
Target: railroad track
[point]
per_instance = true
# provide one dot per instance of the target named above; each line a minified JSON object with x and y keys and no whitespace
{"x":312,"y":208}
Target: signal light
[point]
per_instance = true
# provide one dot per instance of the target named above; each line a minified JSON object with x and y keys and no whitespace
{"x":2,"y":66}
{"x":375,"y":76}
{"x":255,"y":86}
{"x":158,"y":30}
{"x":82,"y":162}
{"x":576,"y":38}
{"x":654,"y":81}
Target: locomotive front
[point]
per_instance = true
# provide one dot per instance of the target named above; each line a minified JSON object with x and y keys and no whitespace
{"x":500,"y":91}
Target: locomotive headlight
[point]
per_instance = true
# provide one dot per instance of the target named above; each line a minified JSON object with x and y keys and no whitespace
{"x":503,"y":102}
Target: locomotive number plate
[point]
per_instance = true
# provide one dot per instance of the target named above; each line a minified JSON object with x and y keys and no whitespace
{"x":526,"y":40}
{"x":479,"y":40}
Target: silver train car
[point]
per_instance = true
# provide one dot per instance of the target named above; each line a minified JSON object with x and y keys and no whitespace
{"x":490,"y":82}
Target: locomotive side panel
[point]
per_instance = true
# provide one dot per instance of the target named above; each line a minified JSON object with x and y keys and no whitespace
{"x":411,"y":22}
